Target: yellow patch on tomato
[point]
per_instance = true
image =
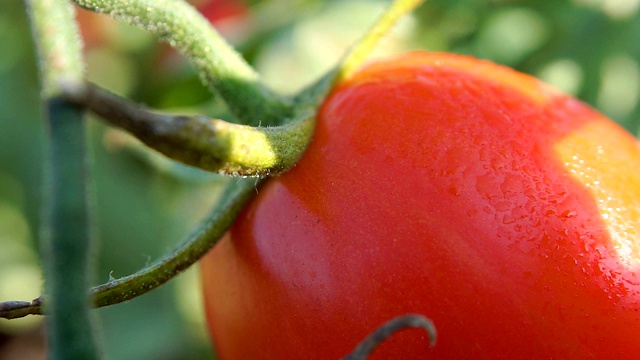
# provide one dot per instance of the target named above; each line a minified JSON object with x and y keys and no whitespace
{"x":606,"y":160}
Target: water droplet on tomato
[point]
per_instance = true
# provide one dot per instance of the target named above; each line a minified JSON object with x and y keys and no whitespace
{"x":508,"y":219}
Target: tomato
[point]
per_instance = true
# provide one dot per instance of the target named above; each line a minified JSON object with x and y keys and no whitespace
{"x":219,"y":10}
{"x":503,"y":210}
{"x":96,"y":29}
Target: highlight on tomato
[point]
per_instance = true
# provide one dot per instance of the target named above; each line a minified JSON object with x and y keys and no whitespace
{"x":503,"y":210}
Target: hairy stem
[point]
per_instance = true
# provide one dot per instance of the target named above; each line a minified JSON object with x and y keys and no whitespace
{"x":66,"y":232}
{"x":209,"y":144}
{"x":67,"y":236}
{"x":220,"y":67}
{"x":315,"y":94}
{"x":371,"y":342}
{"x":358,"y":54}
{"x":204,"y":237}
{"x":180,"y":25}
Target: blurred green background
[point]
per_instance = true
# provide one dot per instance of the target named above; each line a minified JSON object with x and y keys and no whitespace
{"x":145,"y":205}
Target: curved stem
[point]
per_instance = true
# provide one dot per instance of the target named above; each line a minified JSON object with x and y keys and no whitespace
{"x":315,"y":94}
{"x":220,"y":67}
{"x":358,"y":53}
{"x":236,"y":194}
{"x":209,"y":144}
{"x":371,"y":342}
{"x":203,"y":238}
{"x":179,"y":24}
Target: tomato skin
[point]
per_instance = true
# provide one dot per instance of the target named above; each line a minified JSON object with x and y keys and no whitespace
{"x":218,"y":10}
{"x":450,"y":187}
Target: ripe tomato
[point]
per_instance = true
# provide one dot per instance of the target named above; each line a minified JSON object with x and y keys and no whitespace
{"x":506,"y":212}
{"x":219,"y":10}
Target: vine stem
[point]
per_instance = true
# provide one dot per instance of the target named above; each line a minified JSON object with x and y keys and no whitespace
{"x":237,"y":192}
{"x":209,"y":144}
{"x":381,"y":334}
{"x":66,"y":230}
{"x":220,"y":67}
{"x":353,"y":59}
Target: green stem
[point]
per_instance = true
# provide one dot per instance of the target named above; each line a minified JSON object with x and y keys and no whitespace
{"x":68,"y":237}
{"x":237,"y":192}
{"x":66,"y":232}
{"x":313,"y":96}
{"x":220,"y":66}
{"x":209,"y":144}
{"x":381,"y":334}
{"x":58,"y":43}
{"x":202,"y":239}
{"x":359,"y":53}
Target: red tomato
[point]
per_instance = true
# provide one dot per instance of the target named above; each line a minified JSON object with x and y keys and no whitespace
{"x":219,"y":10}
{"x":95,"y":28}
{"x":506,"y":212}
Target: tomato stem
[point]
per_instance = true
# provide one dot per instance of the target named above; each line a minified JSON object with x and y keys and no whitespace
{"x":235,"y":195}
{"x":209,"y":144}
{"x":67,"y":236}
{"x":315,"y":94}
{"x":371,"y":342}
{"x":361,"y":50}
{"x":220,"y":67}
